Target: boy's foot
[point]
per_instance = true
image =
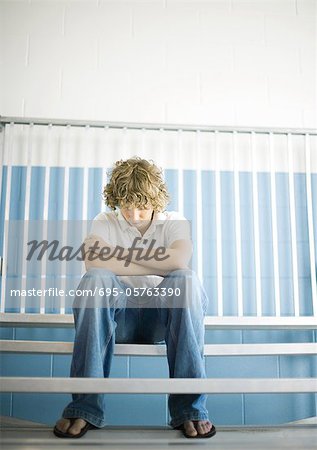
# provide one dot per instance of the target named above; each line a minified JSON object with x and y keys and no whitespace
{"x":78,"y":427}
{"x":72,"y":428}
{"x":197,"y":429}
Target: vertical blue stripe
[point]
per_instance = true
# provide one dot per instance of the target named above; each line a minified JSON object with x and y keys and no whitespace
{"x":247,"y":243}
{"x":314,"y":203}
{"x":37,"y":193}
{"x":209,"y":239}
{"x":266,"y":244}
{"x":76,"y":228}
{"x":15,"y":237}
{"x":284,"y":244}
{"x":56,"y":193}
{"x":75,"y":195}
{"x":302,"y":240}
{"x":171,"y":179}
{"x":2,"y":213}
{"x":229,"y":265}
{"x":2,"y":204}
{"x":55,"y":222}
{"x":17,"y":196}
{"x":190,"y":188}
{"x":55,"y":217}
{"x":35,"y":232}
{"x":94,"y":192}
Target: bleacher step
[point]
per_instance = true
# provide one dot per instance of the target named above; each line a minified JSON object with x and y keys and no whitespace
{"x":133,"y":438}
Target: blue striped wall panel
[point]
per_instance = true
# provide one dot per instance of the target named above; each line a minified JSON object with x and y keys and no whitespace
{"x":56,"y":199}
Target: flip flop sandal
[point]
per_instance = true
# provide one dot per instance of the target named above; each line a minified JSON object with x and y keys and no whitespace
{"x":83,"y":431}
{"x":210,"y":433}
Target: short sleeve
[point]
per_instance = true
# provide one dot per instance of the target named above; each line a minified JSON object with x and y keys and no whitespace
{"x":177,"y":228}
{"x":100,"y":227}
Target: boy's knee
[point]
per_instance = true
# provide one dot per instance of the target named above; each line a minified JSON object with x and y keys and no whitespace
{"x":182,"y":273}
{"x":183,"y":276}
{"x":99,"y":272}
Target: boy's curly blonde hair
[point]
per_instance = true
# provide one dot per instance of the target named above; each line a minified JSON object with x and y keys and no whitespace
{"x":136,"y":183}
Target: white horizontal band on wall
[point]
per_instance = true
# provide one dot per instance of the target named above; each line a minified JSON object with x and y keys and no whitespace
{"x":16,"y":346}
{"x":158,"y":385}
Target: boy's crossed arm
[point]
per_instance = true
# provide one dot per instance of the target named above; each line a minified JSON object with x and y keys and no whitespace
{"x":137,"y":260}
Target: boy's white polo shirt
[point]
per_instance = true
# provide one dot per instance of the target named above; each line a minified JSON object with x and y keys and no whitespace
{"x":166,"y":228}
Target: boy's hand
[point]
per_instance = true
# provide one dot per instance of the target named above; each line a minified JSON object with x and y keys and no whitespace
{"x":92,"y":246}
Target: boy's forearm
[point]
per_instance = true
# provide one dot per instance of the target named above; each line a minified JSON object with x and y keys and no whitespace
{"x":170,"y":260}
{"x":144,"y":261}
{"x":118,"y":267}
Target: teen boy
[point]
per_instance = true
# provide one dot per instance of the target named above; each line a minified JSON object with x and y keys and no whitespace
{"x":137,"y":258}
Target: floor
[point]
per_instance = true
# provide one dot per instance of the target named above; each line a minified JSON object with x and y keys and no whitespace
{"x":31,"y":436}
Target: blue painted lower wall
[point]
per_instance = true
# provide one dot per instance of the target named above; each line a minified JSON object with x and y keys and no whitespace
{"x":224,"y":409}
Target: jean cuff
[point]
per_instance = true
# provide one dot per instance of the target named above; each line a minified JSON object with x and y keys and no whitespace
{"x":176,"y":421}
{"x":70,"y":413}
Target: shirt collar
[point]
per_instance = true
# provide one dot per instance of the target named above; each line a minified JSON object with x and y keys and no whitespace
{"x":158,"y":218}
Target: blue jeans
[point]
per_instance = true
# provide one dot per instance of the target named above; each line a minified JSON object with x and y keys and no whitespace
{"x":102,"y":320}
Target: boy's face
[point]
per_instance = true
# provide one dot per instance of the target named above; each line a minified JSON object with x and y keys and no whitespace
{"x":136,"y":216}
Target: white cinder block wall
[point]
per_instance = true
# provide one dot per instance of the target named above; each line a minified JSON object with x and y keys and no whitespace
{"x":225,"y":62}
